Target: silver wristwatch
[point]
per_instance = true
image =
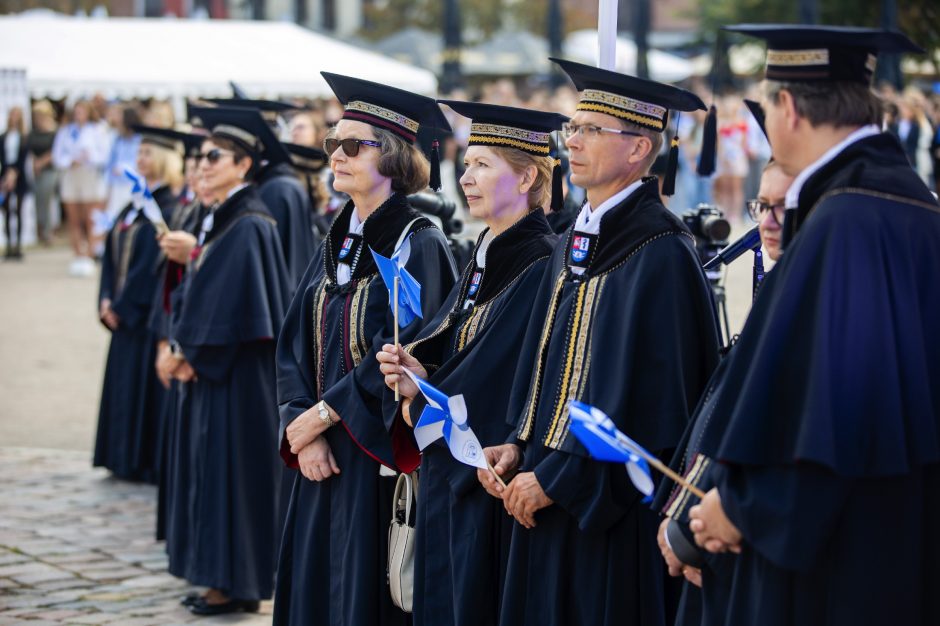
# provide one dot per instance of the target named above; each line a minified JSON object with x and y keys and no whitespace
{"x":324,"y":413}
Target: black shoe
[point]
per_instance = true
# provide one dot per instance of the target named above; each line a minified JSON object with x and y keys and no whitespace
{"x":190,"y":599}
{"x":201,"y":607}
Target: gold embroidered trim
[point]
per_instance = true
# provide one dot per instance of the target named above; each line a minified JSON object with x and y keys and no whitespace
{"x":506,"y":141}
{"x":530,"y":136}
{"x":794,"y":58}
{"x":624,"y":115}
{"x":126,"y":253}
{"x":579,"y":355}
{"x":357,"y":323}
{"x":535,"y":386}
{"x":694,"y":475}
{"x":318,"y":304}
{"x":382,"y":112}
{"x":238,"y":133}
{"x":623,"y":102}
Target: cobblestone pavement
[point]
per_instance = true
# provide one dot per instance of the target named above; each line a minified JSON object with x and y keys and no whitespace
{"x":77,"y":547}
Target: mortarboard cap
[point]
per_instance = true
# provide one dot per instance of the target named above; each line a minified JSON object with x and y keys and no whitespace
{"x":179,"y":141}
{"x":802,"y":53}
{"x":494,"y":125}
{"x":265,"y":106}
{"x":396,"y":110}
{"x":307,"y":158}
{"x":245,"y":127}
{"x":642,"y":102}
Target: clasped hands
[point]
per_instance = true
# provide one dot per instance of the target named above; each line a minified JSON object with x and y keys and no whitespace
{"x":712,"y":528}
{"x":522,"y":496}
{"x":313,"y":452}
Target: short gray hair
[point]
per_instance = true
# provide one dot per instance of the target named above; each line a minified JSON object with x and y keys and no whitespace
{"x":839,"y":103}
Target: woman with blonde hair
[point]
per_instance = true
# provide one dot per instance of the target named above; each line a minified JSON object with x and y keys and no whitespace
{"x":333,"y":553}
{"x":471,"y":347}
{"x":131,"y":399}
{"x":39,"y":143}
{"x":80,"y":152}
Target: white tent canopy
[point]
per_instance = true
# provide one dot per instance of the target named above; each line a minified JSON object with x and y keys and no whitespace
{"x":173,"y":58}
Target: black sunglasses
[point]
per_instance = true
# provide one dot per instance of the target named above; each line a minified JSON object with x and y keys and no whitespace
{"x":757,"y":209}
{"x":350,"y":146}
{"x":212,"y":156}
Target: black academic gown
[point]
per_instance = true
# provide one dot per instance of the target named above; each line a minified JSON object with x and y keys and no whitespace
{"x":333,"y":554}
{"x":634,"y":336}
{"x":462,"y":533}
{"x":234,"y":297}
{"x":132,"y":397}
{"x":185,"y":217}
{"x":289,"y":203}
{"x":827,"y":424}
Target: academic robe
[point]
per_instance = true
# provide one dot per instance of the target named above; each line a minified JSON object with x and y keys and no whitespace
{"x":132,"y":397}
{"x":462,"y":533}
{"x":234,"y":297}
{"x":332,"y":566}
{"x":634,"y":336}
{"x":185,"y":217}
{"x":289,"y":203}
{"x":827,"y":424}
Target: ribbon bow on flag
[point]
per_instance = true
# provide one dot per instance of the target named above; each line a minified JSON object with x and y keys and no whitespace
{"x":603,"y":441}
{"x":144,"y":202}
{"x":408,"y":288}
{"x":446,"y":416}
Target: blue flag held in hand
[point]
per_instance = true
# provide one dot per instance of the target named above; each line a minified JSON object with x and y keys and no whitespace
{"x":143,"y":202}
{"x":409,"y":289}
{"x":604,"y":442}
{"x":446,"y":416}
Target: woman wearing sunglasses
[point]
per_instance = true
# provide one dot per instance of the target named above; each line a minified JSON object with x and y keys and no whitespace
{"x":474,"y":343}
{"x":233,"y":300}
{"x":131,"y":398}
{"x":332,"y":563}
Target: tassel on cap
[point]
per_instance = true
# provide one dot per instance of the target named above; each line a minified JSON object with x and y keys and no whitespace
{"x":672,"y":164}
{"x":435,"y":182}
{"x":558,"y":191}
{"x":706,"y":158}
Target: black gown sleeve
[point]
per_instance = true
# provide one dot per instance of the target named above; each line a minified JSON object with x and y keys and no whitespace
{"x":132,"y":305}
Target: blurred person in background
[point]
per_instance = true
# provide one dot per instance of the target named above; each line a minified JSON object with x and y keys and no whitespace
{"x":306,"y":129}
{"x":124,"y":147}
{"x":13,"y":183}
{"x":732,"y":164}
{"x":80,"y":152}
{"x":159,"y":114}
{"x":39,"y":143}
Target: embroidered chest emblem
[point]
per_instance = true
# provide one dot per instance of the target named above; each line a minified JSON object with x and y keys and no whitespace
{"x":475,"y":283}
{"x":349,"y":246}
{"x":581,"y":248}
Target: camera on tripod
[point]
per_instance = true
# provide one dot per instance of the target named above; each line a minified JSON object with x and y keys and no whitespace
{"x":711,"y":231}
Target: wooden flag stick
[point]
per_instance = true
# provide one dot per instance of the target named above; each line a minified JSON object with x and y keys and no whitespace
{"x":395,"y":310}
{"x":495,"y":475}
{"x":667,"y":471}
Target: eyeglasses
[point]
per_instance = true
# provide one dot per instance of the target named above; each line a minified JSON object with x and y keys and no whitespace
{"x":350,"y":145}
{"x":569,"y":130}
{"x":212,"y":156}
{"x":758,"y":208}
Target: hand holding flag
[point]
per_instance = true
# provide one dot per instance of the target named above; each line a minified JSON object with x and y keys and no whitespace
{"x":404,"y":291}
{"x":604,"y":442}
{"x":446,"y":416}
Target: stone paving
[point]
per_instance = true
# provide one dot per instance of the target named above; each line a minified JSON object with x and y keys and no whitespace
{"x":77,"y":547}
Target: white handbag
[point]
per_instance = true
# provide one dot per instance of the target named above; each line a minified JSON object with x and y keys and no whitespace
{"x":401,"y":541}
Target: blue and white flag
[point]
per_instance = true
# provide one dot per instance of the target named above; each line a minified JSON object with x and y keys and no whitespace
{"x":604,"y":442}
{"x":446,"y":416}
{"x":409,"y":289}
{"x":143,"y":201}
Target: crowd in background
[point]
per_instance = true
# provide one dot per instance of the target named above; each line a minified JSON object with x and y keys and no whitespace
{"x":71,"y":159}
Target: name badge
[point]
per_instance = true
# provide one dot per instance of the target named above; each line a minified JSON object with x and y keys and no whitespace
{"x":349,"y":247}
{"x":582,"y":245}
{"x":475,"y":283}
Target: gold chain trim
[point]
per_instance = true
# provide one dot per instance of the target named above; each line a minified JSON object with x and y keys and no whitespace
{"x":562,"y":397}
{"x":656,"y":124}
{"x":382,"y":112}
{"x":319,"y":301}
{"x":535,"y":386}
{"x":357,"y":323}
{"x":623,"y":102}
{"x":792,"y":58}
{"x":512,"y":132}
{"x":476,"y":140}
